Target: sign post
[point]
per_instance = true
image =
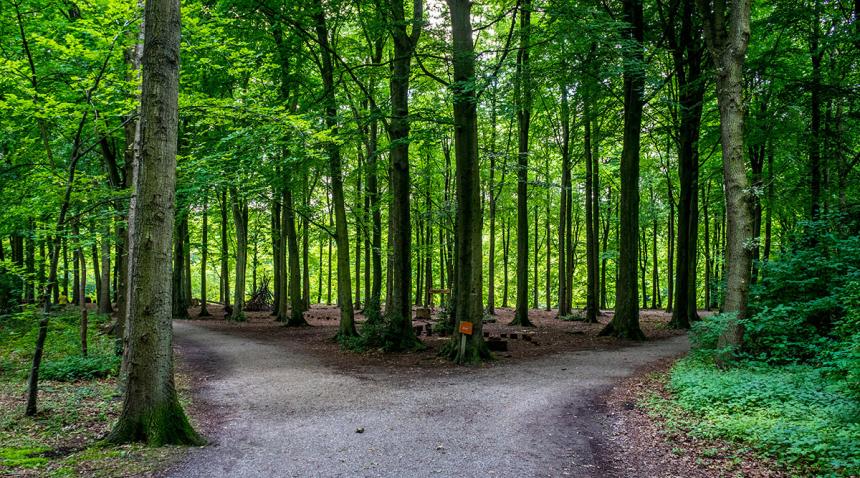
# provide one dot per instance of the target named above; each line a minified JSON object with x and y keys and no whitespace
{"x":465,"y":329}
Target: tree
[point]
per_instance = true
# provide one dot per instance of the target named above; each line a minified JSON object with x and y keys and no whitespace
{"x":625,"y":323}
{"x":151,"y":412}
{"x":468,"y":284}
{"x":727,"y":33}
{"x":523,"y":93}
{"x":398,"y":309}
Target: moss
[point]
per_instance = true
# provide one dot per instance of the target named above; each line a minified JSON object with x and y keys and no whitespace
{"x":166,"y":424}
{"x":23,"y":457}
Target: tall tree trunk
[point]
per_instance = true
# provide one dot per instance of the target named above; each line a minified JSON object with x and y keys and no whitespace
{"x":297,"y":309}
{"x":727,"y":32}
{"x":816,"y":55}
{"x":625,"y":322}
{"x":306,"y":273}
{"x":344,"y":281}
{"x":523,"y":94}
{"x":655,"y":273}
{"x":687,"y":50}
{"x":225,"y":254}
{"x":277,"y":255}
{"x":564,"y":307}
{"x":468,"y":287}
{"x":506,"y":243}
{"x":105,"y":306}
{"x":240,"y":221}
{"x":204,"y":256}
{"x":151,"y":411}
{"x":180,"y":311}
{"x":83,"y":305}
{"x":398,"y":313}
{"x":491,"y":189}
{"x":590,"y":232}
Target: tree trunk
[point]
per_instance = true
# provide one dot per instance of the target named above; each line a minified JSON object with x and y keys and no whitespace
{"x":687,"y":52}
{"x":180,"y":311}
{"x":523,"y":94}
{"x":225,"y":254}
{"x":590,"y":232}
{"x":625,"y":323}
{"x":564,"y":308}
{"x":240,"y":221}
{"x":297,"y":309}
{"x":33,"y":379}
{"x":204,"y":256}
{"x":727,"y":35}
{"x":151,"y":411}
{"x":344,"y":281}
{"x":277,"y":255}
{"x":468,"y":287}
{"x":83,"y":305}
{"x":105,"y":306}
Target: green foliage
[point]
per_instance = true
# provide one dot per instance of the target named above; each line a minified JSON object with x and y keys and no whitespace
{"x":62,"y":353}
{"x":379,"y":335}
{"x":792,"y":413}
{"x":70,"y":369}
{"x":793,"y":390}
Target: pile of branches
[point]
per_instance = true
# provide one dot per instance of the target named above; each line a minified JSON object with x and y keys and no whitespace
{"x":261,"y":299}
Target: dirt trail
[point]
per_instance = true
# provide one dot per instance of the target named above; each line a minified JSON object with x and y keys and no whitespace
{"x":284,"y":414}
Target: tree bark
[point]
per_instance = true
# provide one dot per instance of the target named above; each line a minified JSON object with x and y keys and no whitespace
{"x":151,"y":411}
{"x":398,"y":312}
{"x":468,"y":287}
{"x":240,"y":222}
{"x":344,"y":281}
{"x":523,"y":94}
{"x":105,"y":306}
{"x":625,"y":323}
{"x":727,"y":32}
{"x":204,"y":256}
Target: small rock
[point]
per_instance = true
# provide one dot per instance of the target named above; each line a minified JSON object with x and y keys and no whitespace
{"x":359,"y":430}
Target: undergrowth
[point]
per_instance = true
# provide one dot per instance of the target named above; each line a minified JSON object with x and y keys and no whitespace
{"x":791,"y":390}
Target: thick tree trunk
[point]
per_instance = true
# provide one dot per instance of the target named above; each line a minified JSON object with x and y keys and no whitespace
{"x":398,"y":313}
{"x":468,"y":287}
{"x":151,"y":411}
{"x":625,"y":323}
{"x":727,"y":35}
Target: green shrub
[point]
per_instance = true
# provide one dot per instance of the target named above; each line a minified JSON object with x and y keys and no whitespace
{"x":70,"y":369}
{"x":788,"y":412}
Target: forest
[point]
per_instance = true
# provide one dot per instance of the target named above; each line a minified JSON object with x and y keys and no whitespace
{"x":389,"y":186}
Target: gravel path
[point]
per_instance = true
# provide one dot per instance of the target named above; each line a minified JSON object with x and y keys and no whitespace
{"x":284,"y":414}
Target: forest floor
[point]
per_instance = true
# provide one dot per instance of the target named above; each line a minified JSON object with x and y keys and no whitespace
{"x":286,"y":402}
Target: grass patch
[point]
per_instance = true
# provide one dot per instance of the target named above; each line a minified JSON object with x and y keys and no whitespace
{"x":78,"y":403}
{"x":790,"y":413}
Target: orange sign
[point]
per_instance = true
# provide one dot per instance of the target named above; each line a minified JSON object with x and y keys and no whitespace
{"x":466,"y":328}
